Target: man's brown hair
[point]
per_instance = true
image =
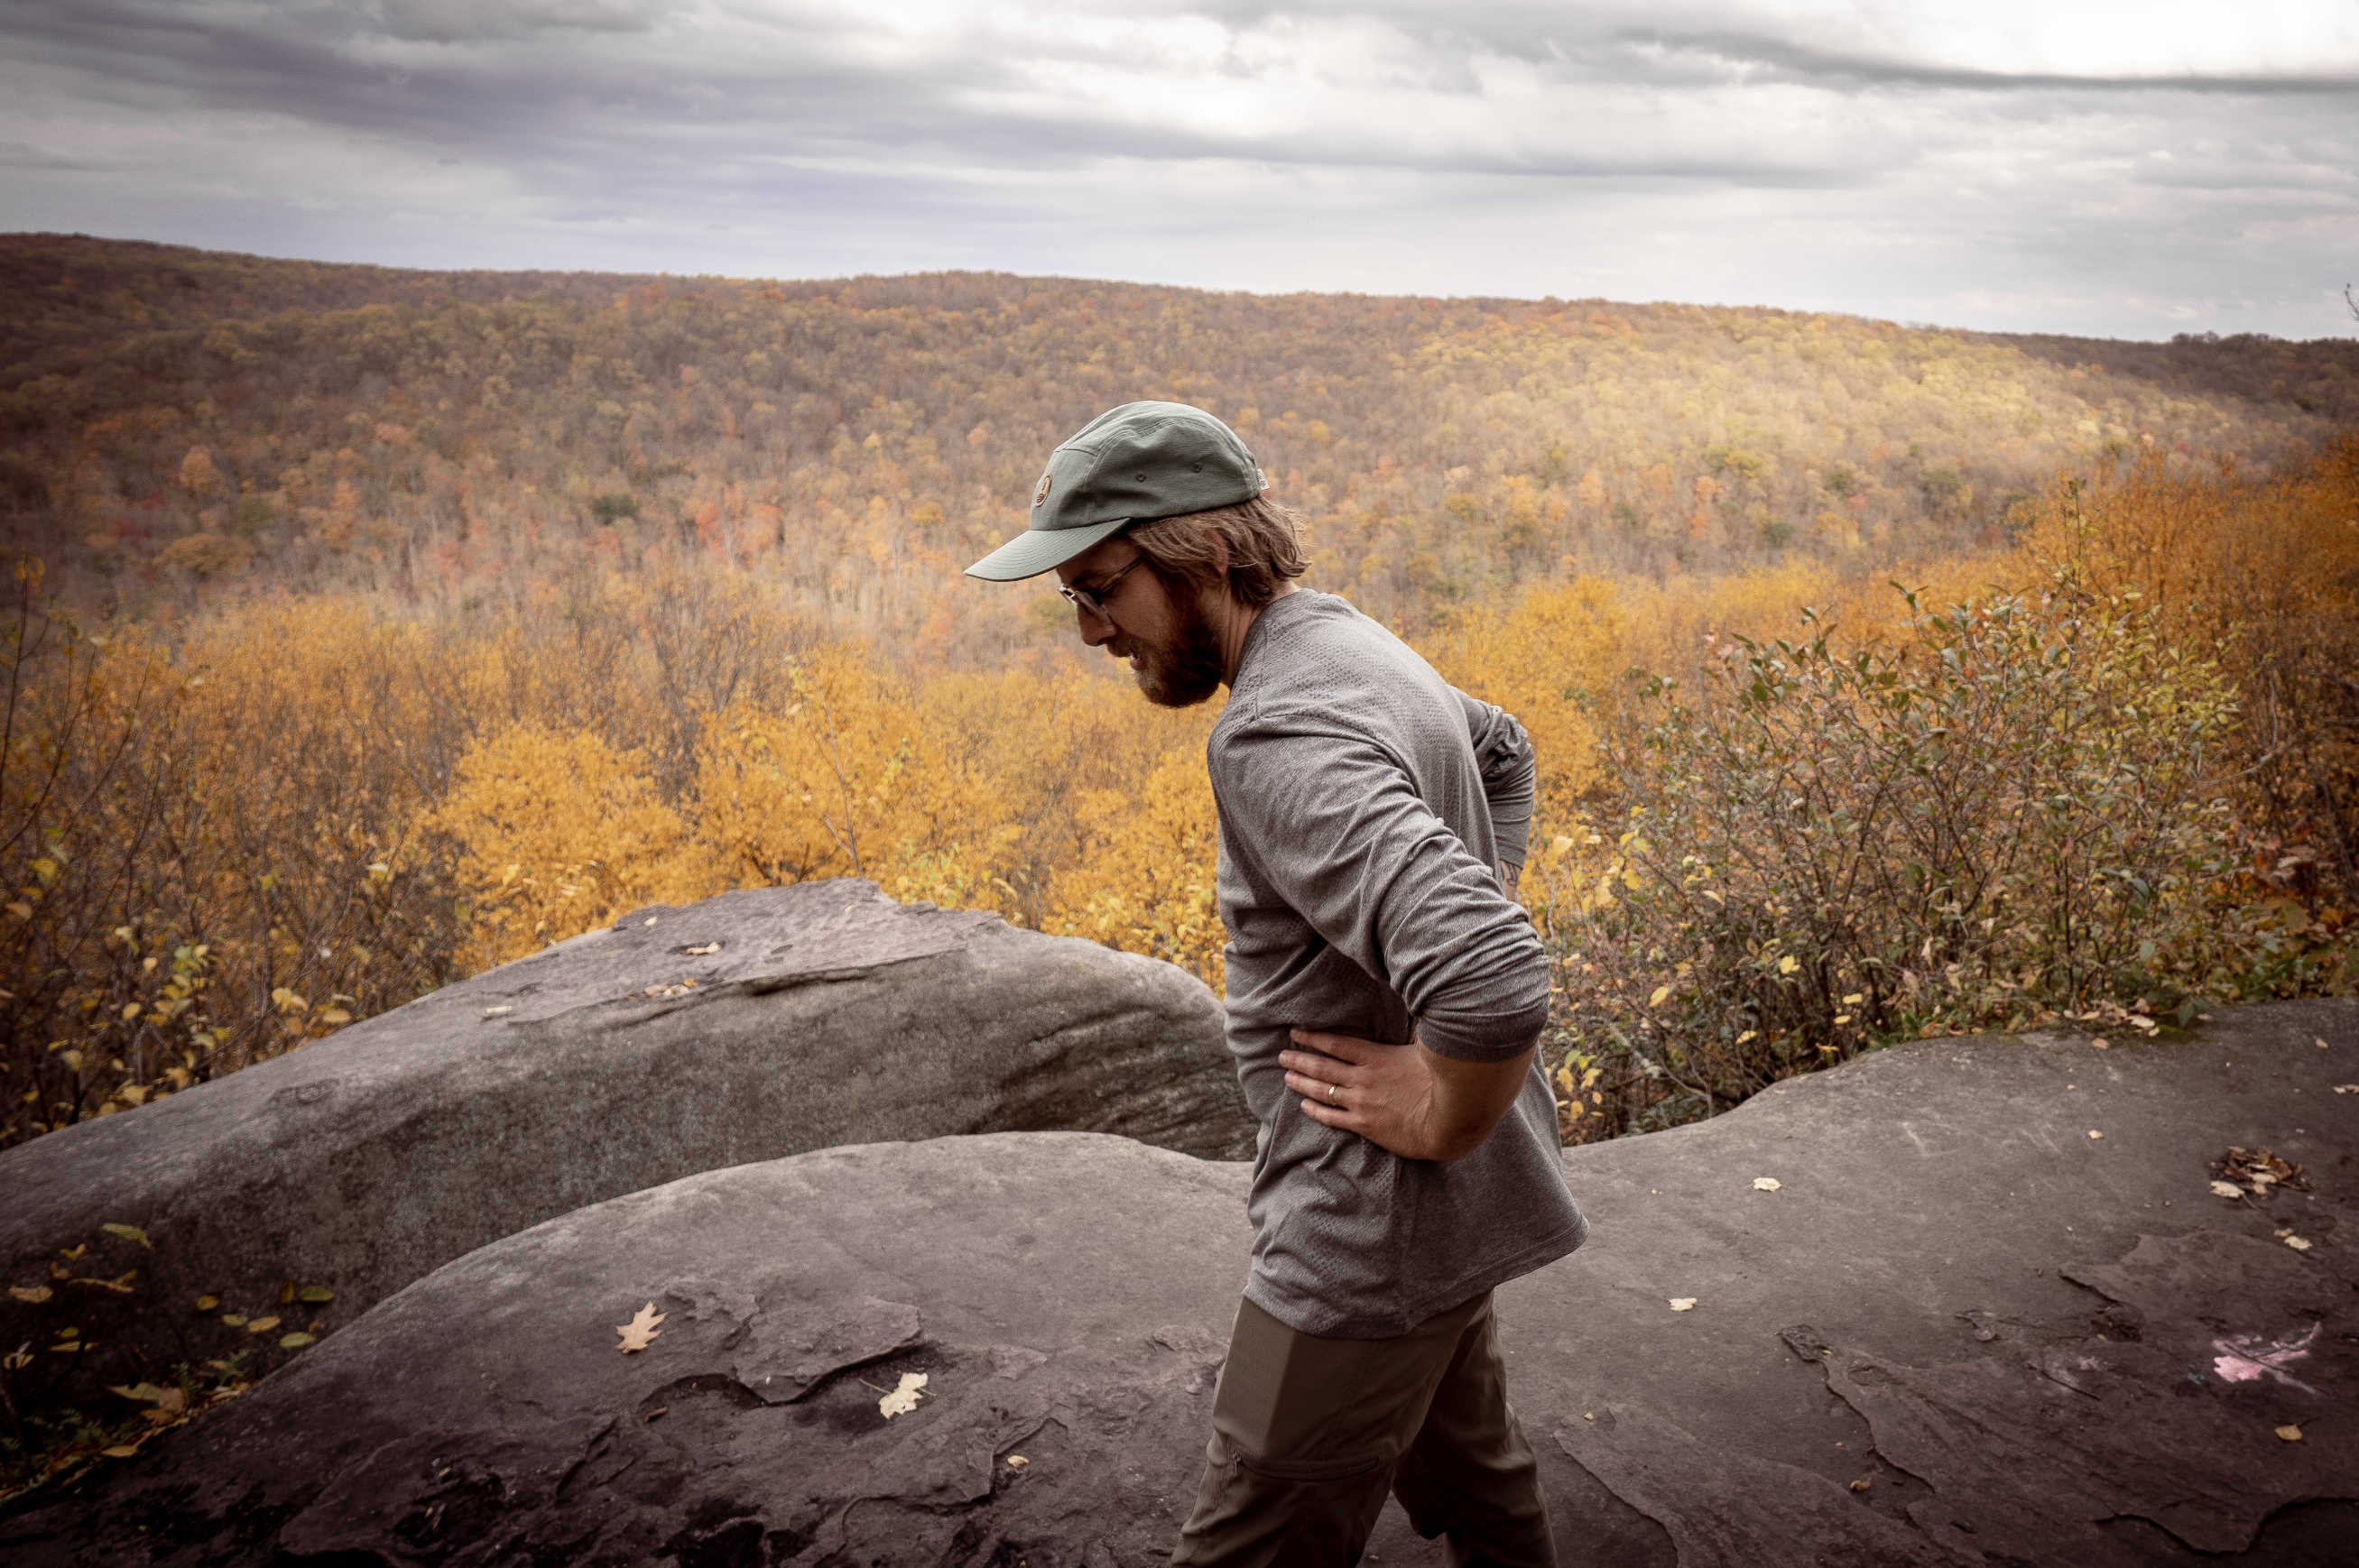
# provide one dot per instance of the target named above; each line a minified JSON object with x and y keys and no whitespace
{"x":1265,"y":549}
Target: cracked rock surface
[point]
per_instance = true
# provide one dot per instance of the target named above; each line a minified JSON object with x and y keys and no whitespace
{"x":1959,"y":1332}
{"x":819,"y":1015}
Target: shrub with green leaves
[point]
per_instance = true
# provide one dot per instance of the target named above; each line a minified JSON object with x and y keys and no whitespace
{"x":2014,"y":814}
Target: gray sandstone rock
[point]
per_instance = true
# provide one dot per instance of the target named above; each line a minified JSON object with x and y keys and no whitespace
{"x":2032,"y":1345}
{"x":747,"y":1027}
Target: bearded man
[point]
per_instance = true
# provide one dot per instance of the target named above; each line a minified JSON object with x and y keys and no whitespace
{"x":1385,"y":996}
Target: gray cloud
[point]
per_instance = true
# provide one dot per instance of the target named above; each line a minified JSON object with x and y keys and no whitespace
{"x":1997,"y":167}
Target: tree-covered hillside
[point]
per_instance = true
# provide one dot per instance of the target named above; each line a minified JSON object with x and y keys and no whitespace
{"x":184,"y":427}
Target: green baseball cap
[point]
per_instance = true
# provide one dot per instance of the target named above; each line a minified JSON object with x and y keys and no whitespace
{"x":1130,"y":464}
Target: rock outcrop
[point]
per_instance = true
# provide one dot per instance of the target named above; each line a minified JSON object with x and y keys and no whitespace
{"x":1960,"y":1330}
{"x":744,"y":1028}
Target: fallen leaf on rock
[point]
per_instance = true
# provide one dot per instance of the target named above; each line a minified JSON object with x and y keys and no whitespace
{"x":129,"y":1233}
{"x":2095,"y":1133}
{"x":1859,"y":1485}
{"x":1016,"y":1462}
{"x":297,"y":1341}
{"x":2226,"y":1190}
{"x":2247,"y":1359}
{"x":1768,"y":1184}
{"x":903,"y":1399}
{"x":121,"y":1450}
{"x":262,"y":1325}
{"x":641,"y":1331}
{"x":700,"y":952}
{"x":2292,"y":1433}
{"x":2319,"y":1043}
{"x":36,"y":1294}
{"x":2296,"y":1243}
{"x":497,"y":1011}
{"x":2101,"y":1044}
{"x":2346,"y":1088}
{"x":1684,"y":1303}
{"x":207,"y":1303}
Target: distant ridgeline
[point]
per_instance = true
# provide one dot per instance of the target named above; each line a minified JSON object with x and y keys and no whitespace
{"x":183,"y":427}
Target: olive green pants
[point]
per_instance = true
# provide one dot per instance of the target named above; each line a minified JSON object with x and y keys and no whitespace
{"x":1309,"y":1433}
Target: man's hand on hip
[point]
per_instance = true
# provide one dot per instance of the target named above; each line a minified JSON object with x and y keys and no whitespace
{"x":1406,"y":1098}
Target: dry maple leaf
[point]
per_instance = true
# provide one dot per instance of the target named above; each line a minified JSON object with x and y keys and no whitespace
{"x":1684,"y":1303}
{"x":1768,"y":1184}
{"x":641,"y":1331}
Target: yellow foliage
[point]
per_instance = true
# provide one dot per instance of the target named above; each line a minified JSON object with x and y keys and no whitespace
{"x":558,"y":834}
{"x":841,"y":778}
{"x":1144,"y":880}
{"x":1551,"y":661}
{"x":303,"y":811}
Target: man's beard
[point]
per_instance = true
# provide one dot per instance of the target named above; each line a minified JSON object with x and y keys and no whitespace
{"x":1190,"y":670}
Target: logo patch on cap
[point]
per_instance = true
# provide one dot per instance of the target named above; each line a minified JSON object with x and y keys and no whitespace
{"x":1041,"y":494}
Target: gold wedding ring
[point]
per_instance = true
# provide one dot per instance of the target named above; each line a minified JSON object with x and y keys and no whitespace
{"x":1331,"y":1094}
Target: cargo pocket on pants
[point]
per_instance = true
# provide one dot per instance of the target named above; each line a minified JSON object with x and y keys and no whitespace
{"x":1324,"y":1509}
{"x":1307,"y":1472}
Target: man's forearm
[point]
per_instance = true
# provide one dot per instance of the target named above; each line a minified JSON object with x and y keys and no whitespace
{"x":1469,"y":1098}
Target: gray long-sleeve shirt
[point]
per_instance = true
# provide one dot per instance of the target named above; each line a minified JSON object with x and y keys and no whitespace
{"x":1364,"y":803}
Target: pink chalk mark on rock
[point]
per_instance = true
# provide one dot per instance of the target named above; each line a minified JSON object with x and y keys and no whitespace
{"x":2244,"y":1358}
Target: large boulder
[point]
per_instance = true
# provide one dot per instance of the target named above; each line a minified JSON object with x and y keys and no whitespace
{"x":1960,"y":1330}
{"x":747,"y":1027}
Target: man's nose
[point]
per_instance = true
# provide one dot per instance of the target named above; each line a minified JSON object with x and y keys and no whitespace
{"x":1096,"y":629}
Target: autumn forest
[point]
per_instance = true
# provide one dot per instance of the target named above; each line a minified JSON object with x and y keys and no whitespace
{"x":371,"y":627}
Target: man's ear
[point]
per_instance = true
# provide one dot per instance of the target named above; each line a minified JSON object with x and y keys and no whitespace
{"x":1220,"y":556}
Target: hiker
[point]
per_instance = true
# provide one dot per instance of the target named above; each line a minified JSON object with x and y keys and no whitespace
{"x":1385,"y":997}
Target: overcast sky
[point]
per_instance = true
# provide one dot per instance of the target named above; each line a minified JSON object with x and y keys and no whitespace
{"x":2132,"y":169}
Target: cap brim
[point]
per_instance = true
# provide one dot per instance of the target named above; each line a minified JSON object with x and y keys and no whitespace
{"x":1037,"y":550}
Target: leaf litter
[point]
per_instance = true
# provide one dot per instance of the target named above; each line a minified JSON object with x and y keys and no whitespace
{"x":2258,"y":1173}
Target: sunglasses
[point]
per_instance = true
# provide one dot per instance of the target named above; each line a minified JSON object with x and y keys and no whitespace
{"x":1093,"y":598}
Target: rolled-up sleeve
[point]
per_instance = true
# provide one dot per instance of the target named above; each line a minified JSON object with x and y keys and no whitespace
{"x":1510,"y":773}
{"x":1341,"y":833}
